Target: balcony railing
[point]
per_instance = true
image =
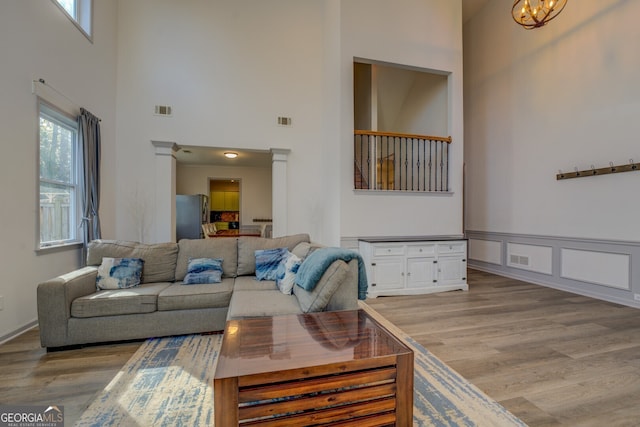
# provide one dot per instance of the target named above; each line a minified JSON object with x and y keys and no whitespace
{"x":400,"y":162}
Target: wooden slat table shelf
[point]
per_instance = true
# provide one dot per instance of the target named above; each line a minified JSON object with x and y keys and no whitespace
{"x":329,"y":368}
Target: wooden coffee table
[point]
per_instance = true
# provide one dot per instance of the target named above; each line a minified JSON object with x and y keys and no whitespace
{"x":339,"y":368}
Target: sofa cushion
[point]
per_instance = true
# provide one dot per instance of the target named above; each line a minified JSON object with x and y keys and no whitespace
{"x":221,"y":247}
{"x":247,"y":247}
{"x":318,"y":298}
{"x":141,"y":299}
{"x":250,"y":283}
{"x":185,"y":297}
{"x":261,"y":303}
{"x":119,"y":273}
{"x":203,"y":270}
{"x":159,"y":259}
{"x":303,"y":249}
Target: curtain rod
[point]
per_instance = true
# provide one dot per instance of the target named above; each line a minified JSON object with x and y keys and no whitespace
{"x":42,"y":81}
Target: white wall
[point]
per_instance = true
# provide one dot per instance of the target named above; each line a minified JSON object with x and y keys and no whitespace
{"x":416,"y":33}
{"x":255,"y":187}
{"x":559,"y":97}
{"x":229,"y":69}
{"x":38,"y":41}
{"x":412,"y":101}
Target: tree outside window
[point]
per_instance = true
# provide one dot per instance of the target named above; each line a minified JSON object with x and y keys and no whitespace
{"x":58,"y":178}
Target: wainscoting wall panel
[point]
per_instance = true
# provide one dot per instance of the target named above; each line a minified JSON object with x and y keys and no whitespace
{"x":596,"y":267}
{"x":604,"y":269}
{"x":489,"y":251}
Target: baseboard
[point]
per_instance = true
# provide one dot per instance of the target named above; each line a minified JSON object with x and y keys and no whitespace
{"x":19,"y":331}
{"x":604,"y":269}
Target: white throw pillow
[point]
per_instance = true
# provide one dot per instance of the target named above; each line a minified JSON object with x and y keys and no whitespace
{"x":286,"y":275}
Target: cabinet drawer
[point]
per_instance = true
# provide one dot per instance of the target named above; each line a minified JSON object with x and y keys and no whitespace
{"x":421,"y":250}
{"x":388,"y":250}
{"x":452,"y":248}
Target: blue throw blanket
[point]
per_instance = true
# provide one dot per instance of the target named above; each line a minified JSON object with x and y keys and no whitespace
{"x":314,"y":266}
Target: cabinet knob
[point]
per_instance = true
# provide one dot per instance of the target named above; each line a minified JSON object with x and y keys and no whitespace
{"x":420,"y":250}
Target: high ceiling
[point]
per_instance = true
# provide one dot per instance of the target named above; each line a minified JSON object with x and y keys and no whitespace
{"x":215,"y":156}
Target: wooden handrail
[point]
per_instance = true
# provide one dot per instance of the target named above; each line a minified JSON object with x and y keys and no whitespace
{"x":446,"y":139}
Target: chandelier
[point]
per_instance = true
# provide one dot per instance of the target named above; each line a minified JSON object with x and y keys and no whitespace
{"x":536,"y":13}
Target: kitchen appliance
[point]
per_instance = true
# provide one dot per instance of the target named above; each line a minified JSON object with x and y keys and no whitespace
{"x":191,"y":212}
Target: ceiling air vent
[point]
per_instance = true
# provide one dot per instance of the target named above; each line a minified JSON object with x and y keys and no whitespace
{"x":163,"y":110}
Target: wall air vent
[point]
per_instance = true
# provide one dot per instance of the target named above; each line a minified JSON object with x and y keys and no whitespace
{"x":163,"y":110}
{"x":518,"y":260}
{"x":284,"y":121}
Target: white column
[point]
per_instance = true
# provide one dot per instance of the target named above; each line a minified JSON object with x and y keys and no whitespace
{"x":165,"y":186}
{"x":279,"y":191}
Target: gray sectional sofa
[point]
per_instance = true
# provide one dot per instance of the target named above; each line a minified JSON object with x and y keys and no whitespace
{"x":71,"y":311}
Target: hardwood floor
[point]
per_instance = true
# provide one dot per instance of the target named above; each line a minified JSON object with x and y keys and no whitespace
{"x":31,"y":376}
{"x":550,"y":357}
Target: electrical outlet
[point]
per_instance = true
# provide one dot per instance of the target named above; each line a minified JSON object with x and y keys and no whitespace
{"x":636,"y":297}
{"x":1,"y":303}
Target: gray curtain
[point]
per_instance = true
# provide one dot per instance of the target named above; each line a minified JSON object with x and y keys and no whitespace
{"x":89,"y":133}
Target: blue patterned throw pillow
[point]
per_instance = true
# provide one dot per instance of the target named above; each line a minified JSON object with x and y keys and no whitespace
{"x":286,"y":274}
{"x":203,"y":270}
{"x":267,"y":262}
{"x":119,"y":273}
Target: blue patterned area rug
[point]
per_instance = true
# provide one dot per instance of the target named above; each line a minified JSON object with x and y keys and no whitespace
{"x":168,"y":382}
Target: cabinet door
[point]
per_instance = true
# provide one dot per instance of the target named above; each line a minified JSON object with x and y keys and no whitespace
{"x":388,"y":273}
{"x":452,"y":270}
{"x":217,"y":201}
{"x":231,"y":201}
{"x":421,"y":272}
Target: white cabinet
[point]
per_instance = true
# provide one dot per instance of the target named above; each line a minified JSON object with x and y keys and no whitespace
{"x":420,"y":267}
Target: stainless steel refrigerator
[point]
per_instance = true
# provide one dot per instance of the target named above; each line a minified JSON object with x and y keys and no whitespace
{"x":191,"y":213}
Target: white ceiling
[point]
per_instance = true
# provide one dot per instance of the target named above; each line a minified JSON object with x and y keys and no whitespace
{"x":215,"y":156}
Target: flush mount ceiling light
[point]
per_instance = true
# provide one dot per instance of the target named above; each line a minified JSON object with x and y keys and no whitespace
{"x":536,"y":13}
{"x":230,"y":155}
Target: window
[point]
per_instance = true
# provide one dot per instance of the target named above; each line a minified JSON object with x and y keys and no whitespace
{"x":58,"y":203}
{"x":79,"y":12}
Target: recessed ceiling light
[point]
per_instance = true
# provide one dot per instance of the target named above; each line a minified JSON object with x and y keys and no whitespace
{"x":230,"y":155}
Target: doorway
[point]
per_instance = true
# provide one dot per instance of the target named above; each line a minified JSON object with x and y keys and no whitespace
{"x":225,"y":203}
